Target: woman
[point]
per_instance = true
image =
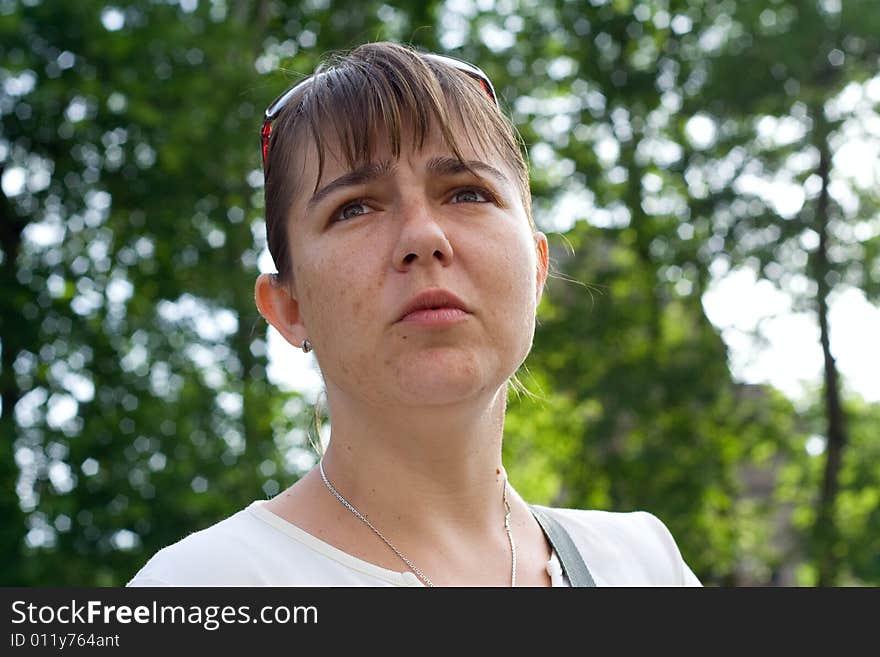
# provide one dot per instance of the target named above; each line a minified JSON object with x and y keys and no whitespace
{"x":398,"y":213}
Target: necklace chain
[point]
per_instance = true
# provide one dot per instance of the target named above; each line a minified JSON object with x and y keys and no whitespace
{"x":415,"y":569}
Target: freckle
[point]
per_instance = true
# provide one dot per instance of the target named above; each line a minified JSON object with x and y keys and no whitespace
{"x":387,"y":362}
{"x":403,"y":336}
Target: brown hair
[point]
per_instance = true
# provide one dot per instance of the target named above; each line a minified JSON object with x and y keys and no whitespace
{"x":379,"y":84}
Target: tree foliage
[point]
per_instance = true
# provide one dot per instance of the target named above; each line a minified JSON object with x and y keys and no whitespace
{"x":136,"y":405}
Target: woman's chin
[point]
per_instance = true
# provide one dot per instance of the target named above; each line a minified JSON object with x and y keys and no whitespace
{"x":444,"y":377}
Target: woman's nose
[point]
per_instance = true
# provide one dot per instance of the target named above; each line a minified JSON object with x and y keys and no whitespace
{"x":422,"y":239}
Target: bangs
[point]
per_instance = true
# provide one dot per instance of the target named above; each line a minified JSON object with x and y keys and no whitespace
{"x":353,"y":107}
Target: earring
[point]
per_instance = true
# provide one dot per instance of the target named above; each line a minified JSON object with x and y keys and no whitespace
{"x":306,"y":346}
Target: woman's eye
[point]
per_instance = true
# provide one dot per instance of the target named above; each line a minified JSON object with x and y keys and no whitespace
{"x":351,"y":210}
{"x":470,"y":195}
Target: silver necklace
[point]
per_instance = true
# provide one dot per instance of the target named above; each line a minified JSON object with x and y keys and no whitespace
{"x":415,"y":569}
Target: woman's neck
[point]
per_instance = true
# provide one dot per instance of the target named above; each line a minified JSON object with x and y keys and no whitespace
{"x":428,"y":469}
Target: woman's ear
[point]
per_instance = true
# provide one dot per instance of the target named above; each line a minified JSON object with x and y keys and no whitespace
{"x":278,"y":305}
{"x":543,"y":264}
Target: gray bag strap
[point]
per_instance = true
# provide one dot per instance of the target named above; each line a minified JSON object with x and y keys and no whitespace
{"x":572,"y":563}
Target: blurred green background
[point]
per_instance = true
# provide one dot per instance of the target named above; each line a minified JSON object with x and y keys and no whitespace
{"x":137,"y":401}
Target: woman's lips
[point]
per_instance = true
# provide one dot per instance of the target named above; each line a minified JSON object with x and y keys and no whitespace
{"x":435,"y":316}
{"x":434,"y":307}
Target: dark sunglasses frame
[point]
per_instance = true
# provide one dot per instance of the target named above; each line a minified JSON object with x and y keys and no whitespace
{"x":279,"y":103}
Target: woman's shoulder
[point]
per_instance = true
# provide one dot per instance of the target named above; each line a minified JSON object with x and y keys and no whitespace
{"x":222,"y":554}
{"x":625,"y":549}
{"x":254,"y":547}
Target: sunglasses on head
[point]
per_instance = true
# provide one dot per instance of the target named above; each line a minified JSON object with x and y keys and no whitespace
{"x":279,"y":103}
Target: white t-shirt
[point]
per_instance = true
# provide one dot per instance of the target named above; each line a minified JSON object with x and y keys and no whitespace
{"x":255,"y":547}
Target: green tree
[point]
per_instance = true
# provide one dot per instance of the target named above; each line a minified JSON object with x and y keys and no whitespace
{"x":789,"y":121}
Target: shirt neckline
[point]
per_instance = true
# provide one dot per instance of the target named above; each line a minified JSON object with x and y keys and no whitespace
{"x":404,"y":578}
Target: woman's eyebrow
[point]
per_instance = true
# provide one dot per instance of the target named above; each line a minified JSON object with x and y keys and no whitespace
{"x":452,"y":165}
{"x":363,"y":174}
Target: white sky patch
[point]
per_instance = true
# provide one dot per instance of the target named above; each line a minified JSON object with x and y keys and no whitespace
{"x":210,"y":324}
{"x":125,"y":539}
{"x":855,"y":327}
{"x":61,"y":477}
{"x":29,"y":407}
{"x":791,"y":359}
{"x":779,"y":131}
{"x":44,"y":234}
{"x":815,"y":445}
{"x":496,"y":38}
{"x":62,"y":409}
{"x":607,"y":149}
{"x":571,"y":207}
{"x":739,"y":301}
{"x":550,"y":106}
{"x":81,"y":387}
{"x":112,"y":19}
{"x":290,"y":369}
{"x":700,"y":131}
{"x":119,"y":290}
{"x":217,"y":324}
{"x":786,"y":198}
{"x":232,"y":403}
{"x":265,"y":263}
{"x":872,"y":89}
{"x":661,"y":151}
{"x":845,"y":102}
{"x":859,"y":160}
{"x":13,"y":181}
{"x":19,"y":85}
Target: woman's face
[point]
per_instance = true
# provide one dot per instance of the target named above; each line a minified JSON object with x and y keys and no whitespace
{"x":370,"y":241}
